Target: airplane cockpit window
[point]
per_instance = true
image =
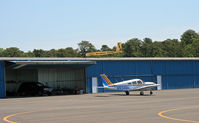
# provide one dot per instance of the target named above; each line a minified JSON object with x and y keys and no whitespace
{"x":134,"y":83}
{"x":139,"y":82}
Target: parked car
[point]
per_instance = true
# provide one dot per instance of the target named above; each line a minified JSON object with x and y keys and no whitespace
{"x":33,"y":89}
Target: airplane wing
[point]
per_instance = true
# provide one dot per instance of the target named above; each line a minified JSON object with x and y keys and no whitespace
{"x":147,"y":87}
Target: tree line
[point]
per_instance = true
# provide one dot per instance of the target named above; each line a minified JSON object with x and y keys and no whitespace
{"x":187,"y":46}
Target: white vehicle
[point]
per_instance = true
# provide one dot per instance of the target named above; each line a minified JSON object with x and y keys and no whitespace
{"x":128,"y":85}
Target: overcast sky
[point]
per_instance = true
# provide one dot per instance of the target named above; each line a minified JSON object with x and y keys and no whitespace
{"x":47,"y":24}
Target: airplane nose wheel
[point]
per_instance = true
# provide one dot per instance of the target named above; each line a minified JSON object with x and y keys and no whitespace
{"x":127,"y":92}
{"x":141,"y":92}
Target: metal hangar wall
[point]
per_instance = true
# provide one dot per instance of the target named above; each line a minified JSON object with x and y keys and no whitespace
{"x":2,"y":80}
{"x":64,"y":75}
{"x":175,"y":73}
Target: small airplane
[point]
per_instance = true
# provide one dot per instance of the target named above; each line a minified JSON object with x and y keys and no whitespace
{"x":128,"y":85}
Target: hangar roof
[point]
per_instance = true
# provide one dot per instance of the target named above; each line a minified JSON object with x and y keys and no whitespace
{"x":98,"y":59}
{"x":36,"y":63}
{"x":53,"y":62}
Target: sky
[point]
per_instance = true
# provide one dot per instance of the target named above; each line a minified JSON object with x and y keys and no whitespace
{"x":54,"y":24}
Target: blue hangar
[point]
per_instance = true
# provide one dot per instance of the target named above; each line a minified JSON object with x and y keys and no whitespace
{"x":83,"y":73}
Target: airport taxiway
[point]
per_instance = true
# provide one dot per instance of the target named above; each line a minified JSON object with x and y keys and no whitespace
{"x":166,"y":106}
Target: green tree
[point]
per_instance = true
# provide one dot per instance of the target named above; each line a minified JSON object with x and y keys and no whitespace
{"x":39,"y":53}
{"x":195,"y":47}
{"x":86,"y":46}
{"x":71,"y":52}
{"x":192,"y":50}
{"x":67,"y":52}
{"x":52,"y":53}
{"x":12,"y":52}
{"x":147,"y":47}
{"x":188,"y":36}
{"x":1,"y":52}
{"x":28,"y":54}
{"x":132,"y":48}
{"x":172,"y":48}
{"x":157,"y":50}
{"x":61,"y":53}
{"x":189,"y":42}
{"x":105,"y":48}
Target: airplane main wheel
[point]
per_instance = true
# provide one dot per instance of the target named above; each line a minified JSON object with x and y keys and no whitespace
{"x":151,"y":92}
{"x":127,"y":92}
{"x":141,"y":92}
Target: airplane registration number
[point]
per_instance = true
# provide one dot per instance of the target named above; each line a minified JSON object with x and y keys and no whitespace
{"x":123,"y":88}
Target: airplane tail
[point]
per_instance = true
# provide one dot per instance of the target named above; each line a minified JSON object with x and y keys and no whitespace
{"x":105,"y":81}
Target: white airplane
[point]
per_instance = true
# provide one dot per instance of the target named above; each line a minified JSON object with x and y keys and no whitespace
{"x":128,"y":85}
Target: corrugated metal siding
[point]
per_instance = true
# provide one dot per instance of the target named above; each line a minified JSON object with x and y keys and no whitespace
{"x":196,"y":67}
{"x":62,"y":78}
{"x":26,"y":75}
{"x":2,"y":80}
{"x":47,"y":77}
{"x":174,"y":67}
{"x":22,"y":75}
{"x":70,"y":78}
{"x":177,"y":82}
{"x":196,"y":81}
{"x":158,"y":67}
{"x":119,"y":71}
{"x":15,"y":77}
{"x":11,"y":75}
{"x":175,"y":74}
{"x":179,"y":67}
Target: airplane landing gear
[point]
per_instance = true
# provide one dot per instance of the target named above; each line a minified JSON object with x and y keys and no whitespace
{"x":127,"y":92}
{"x":151,"y":92}
{"x":141,"y":92}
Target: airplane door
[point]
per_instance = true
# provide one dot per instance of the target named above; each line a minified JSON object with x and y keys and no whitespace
{"x":159,"y":81}
{"x":94,"y":84}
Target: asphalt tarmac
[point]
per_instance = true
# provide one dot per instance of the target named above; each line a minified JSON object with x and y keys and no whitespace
{"x":166,"y":106}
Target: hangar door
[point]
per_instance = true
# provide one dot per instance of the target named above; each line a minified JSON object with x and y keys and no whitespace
{"x":64,"y":78}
